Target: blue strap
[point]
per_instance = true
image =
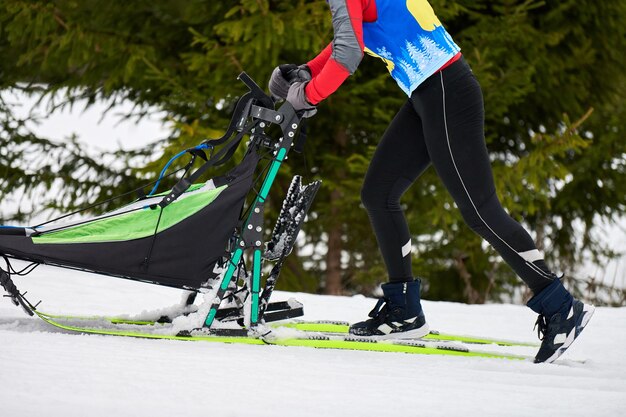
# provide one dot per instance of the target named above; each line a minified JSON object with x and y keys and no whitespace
{"x":175,"y":157}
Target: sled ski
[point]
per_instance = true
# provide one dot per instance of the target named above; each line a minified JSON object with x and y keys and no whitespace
{"x":280,"y":310}
{"x":341,"y":327}
{"x":299,"y":339}
{"x":328,"y":327}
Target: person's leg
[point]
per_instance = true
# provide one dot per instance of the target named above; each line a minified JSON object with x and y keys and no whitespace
{"x":451,"y":106}
{"x":400,"y":157}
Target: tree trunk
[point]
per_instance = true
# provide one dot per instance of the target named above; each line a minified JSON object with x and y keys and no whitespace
{"x":471,"y":295}
{"x":334,"y":273}
{"x":333,"y":257}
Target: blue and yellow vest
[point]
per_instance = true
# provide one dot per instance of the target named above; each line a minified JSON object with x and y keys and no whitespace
{"x":410,"y":39}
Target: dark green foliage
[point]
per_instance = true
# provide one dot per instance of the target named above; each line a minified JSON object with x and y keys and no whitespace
{"x":543,"y":66}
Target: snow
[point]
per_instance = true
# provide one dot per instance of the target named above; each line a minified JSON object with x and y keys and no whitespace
{"x":93,"y":125}
{"x":44,"y":371}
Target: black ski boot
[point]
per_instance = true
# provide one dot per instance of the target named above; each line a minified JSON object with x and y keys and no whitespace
{"x":398,"y":315}
{"x":561,"y":319}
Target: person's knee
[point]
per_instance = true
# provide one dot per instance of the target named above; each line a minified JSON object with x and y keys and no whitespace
{"x":488,"y":215}
{"x":472,"y":220}
{"x":476,"y":214}
{"x":371,"y":198}
{"x":384,"y":195}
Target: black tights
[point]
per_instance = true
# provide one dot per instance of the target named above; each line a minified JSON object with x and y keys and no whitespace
{"x":442,"y":123}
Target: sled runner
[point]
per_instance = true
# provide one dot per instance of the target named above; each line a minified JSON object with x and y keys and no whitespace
{"x":198,"y":236}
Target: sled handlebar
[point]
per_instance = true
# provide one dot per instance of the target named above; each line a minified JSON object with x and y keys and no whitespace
{"x":256,"y":91}
{"x":262,"y":99}
{"x":254,"y":104}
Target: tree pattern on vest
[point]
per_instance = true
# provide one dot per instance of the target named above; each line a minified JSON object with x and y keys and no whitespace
{"x":410,"y":39}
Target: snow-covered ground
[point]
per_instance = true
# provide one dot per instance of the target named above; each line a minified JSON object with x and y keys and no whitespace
{"x":46,"y":372}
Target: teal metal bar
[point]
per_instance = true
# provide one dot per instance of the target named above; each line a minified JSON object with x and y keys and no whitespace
{"x":256,"y":274}
{"x":234,"y":261}
{"x":256,"y":286}
{"x":210,"y":317}
{"x":231,"y":269}
{"x":269,"y":180}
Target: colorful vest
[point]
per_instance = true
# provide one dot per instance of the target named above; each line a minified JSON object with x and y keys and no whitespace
{"x":410,"y":39}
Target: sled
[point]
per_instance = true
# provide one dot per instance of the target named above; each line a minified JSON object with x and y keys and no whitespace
{"x":197,"y":236}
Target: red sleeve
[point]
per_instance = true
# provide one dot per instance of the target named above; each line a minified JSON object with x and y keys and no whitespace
{"x":317,"y":63}
{"x":333,"y":65}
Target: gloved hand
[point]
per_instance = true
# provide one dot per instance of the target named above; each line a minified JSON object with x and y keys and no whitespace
{"x":297,"y":98}
{"x":283,"y":76}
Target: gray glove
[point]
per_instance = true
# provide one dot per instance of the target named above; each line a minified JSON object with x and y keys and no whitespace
{"x":283,"y":76}
{"x":297,"y":98}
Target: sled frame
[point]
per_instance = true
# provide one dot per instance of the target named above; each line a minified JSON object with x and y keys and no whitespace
{"x":250,"y":239}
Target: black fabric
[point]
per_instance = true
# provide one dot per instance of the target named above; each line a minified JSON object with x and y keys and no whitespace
{"x":442,"y":124}
{"x":14,"y":231}
{"x":238,"y":118}
{"x":183,"y":256}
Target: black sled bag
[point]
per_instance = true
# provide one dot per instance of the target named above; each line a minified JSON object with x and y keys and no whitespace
{"x":177,"y":246}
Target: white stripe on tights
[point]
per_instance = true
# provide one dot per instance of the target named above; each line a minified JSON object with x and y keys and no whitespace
{"x":406,"y":249}
{"x":531,"y":255}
